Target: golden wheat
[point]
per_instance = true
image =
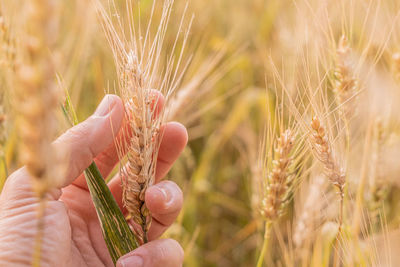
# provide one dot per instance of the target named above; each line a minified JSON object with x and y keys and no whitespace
{"x":277,"y":186}
{"x":346,"y":83}
{"x":37,"y":95}
{"x":141,"y":73}
{"x":37,"y":101}
{"x":299,"y":40}
{"x":278,"y":178}
{"x":324,"y":153}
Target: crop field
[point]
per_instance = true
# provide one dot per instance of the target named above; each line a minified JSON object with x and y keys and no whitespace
{"x":291,"y":108}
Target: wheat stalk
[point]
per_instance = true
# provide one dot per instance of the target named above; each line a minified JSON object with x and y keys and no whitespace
{"x":277,"y":186}
{"x":140,"y":69}
{"x":38,"y":95}
{"x":278,"y":178}
{"x":37,"y":100}
{"x":324,"y":153}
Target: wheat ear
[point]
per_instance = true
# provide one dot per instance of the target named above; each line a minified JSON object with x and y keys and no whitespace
{"x":140,"y":69}
{"x":277,"y":186}
{"x":139,"y":173}
{"x":325,"y":155}
{"x":38,"y":95}
{"x":36,"y":104}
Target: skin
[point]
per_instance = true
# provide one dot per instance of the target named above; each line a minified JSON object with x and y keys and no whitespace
{"x":72,"y":235}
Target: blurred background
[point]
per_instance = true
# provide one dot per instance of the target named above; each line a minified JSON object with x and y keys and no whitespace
{"x":241,"y":53}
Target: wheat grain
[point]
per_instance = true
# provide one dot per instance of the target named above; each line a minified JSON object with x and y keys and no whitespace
{"x":139,"y":173}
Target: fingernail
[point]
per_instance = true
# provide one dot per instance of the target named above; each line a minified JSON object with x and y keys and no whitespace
{"x":105,"y":106}
{"x":132,"y":261}
{"x":167,"y":195}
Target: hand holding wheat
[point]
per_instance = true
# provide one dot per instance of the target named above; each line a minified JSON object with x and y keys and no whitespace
{"x":72,"y":236}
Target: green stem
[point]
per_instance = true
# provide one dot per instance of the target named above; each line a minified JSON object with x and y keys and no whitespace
{"x":116,"y":232}
{"x":265,"y":244}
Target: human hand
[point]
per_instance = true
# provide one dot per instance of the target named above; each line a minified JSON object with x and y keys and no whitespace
{"x":72,"y":234}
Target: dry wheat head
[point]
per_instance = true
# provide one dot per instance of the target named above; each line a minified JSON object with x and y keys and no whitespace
{"x":278,"y":178}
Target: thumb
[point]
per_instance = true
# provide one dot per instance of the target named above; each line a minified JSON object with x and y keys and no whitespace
{"x":89,"y":138}
{"x":83,"y":142}
{"x":158,"y":253}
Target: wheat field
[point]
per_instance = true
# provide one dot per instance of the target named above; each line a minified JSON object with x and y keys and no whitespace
{"x":291,"y":108}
